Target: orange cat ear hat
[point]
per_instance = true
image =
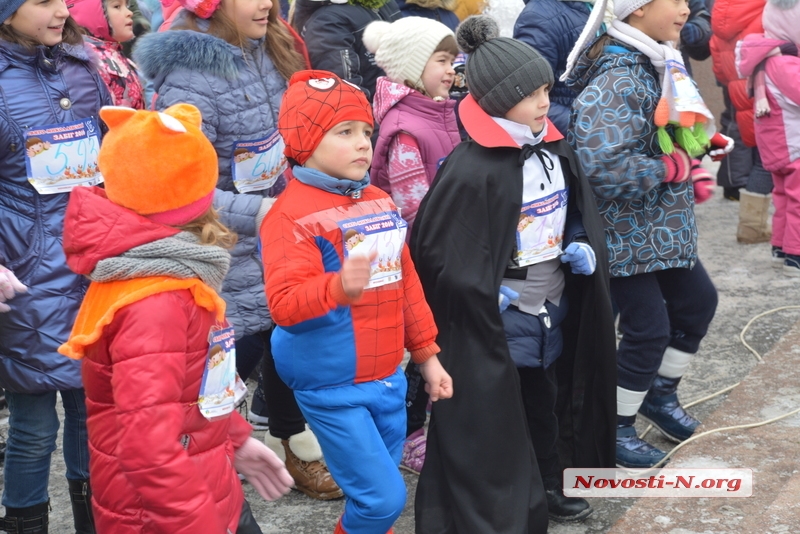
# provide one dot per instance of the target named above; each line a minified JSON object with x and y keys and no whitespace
{"x":158,"y":164}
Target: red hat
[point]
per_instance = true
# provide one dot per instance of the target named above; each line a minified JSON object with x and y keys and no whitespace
{"x":315,"y":102}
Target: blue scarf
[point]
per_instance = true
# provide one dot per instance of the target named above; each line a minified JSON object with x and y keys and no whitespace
{"x":320,"y":180}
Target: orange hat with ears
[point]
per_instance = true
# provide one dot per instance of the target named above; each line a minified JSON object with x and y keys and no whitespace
{"x":158,"y":164}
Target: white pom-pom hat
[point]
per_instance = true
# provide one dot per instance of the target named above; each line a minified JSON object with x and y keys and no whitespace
{"x":403,"y":48}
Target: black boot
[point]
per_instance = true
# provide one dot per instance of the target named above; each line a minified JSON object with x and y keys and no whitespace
{"x":80,"y":493}
{"x":30,"y":520}
{"x":561,"y":508}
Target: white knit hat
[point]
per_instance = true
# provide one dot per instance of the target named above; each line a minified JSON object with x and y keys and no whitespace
{"x":622,"y":9}
{"x":403,"y":48}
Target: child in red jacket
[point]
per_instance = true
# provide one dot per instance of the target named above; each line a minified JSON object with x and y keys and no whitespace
{"x":165,"y":442}
{"x":346,"y":298}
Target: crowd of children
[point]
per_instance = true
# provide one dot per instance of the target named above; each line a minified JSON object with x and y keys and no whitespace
{"x":329,"y":220}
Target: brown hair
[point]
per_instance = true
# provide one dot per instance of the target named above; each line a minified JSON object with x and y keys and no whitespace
{"x":71,"y":35}
{"x":279,"y":44}
{"x":210,"y":230}
{"x":597,"y":48}
{"x":448,"y":44}
{"x":32,"y":141}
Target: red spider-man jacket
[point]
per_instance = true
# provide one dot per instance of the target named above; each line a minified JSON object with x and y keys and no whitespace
{"x":324,"y":339}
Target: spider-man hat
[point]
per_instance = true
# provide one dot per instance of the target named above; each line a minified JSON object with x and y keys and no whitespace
{"x":316,"y":101}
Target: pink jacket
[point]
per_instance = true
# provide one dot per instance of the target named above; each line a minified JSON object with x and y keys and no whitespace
{"x":777,"y":134}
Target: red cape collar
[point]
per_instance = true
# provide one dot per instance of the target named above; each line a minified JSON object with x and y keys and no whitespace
{"x":488,"y":133}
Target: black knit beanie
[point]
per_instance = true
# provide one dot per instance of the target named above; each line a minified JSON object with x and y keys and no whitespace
{"x":500,"y":71}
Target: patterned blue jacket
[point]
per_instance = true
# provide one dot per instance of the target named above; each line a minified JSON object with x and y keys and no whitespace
{"x":650,"y":225}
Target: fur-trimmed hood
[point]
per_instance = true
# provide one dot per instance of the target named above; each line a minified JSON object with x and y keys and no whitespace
{"x":158,"y":54}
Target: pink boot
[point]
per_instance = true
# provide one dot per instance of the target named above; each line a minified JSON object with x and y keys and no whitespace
{"x":414,"y":452}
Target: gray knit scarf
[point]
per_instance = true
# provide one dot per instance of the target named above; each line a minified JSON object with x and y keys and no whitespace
{"x":180,"y":256}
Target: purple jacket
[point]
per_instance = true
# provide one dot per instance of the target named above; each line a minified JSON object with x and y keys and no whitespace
{"x":401,"y":109}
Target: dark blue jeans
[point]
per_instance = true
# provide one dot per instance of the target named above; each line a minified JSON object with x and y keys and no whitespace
{"x":32,"y":430}
{"x":672,"y":308}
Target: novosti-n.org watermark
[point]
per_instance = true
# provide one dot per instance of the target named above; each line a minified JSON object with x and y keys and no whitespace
{"x":658,"y":483}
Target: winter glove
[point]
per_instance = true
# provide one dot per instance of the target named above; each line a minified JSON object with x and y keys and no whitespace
{"x":9,"y":287}
{"x":696,"y":32}
{"x":721,"y":146}
{"x":263,"y":469}
{"x":581,"y":258}
{"x":506,"y":296}
{"x":678,"y":165}
{"x":702,"y":181}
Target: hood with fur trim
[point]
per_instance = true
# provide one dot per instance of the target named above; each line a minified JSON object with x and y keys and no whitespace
{"x":158,"y":54}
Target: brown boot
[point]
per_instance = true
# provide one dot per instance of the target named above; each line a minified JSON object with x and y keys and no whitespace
{"x":303,"y":458}
{"x":754,"y":225}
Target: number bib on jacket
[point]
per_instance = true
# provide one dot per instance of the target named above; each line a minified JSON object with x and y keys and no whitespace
{"x":59,"y":157}
{"x":221,"y":387}
{"x":541,"y":229}
{"x":258,"y":164}
{"x":384,"y":233}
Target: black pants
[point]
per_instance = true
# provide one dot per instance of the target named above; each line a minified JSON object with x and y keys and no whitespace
{"x":539,"y":392}
{"x":285,"y":418}
{"x":416,"y":399}
{"x":247,"y":523}
{"x":665,"y":308}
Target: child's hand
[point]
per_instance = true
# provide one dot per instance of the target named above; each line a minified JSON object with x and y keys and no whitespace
{"x":9,"y":287}
{"x":703,"y":183}
{"x":355,"y":274}
{"x":721,"y":145}
{"x":580,"y":257}
{"x":263,"y":469}
{"x":438,"y":383}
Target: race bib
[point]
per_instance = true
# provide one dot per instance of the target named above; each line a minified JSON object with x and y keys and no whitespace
{"x":540,"y":230}
{"x":257,"y":165}
{"x":221,"y":386}
{"x":684,"y":91}
{"x":59,"y":157}
{"x":384,"y":233}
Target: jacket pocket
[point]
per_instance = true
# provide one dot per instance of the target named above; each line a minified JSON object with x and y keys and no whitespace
{"x":23,"y":230}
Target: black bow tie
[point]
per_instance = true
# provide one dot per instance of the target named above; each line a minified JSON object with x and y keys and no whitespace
{"x":547,"y":163}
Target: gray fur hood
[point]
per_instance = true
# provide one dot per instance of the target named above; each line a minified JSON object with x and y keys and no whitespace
{"x":157,"y":54}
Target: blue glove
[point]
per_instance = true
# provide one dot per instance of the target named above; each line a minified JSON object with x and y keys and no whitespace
{"x":581,"y":258}
{"x":506,"y":296}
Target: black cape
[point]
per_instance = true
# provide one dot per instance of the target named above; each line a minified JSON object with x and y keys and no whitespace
{"x":480,"y":473}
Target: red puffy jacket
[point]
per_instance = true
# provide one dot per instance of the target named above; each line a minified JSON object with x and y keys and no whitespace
{"x":157,"y":465}
{"x":731,"y":21}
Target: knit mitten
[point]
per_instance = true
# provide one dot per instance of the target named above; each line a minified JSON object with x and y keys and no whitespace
{"x":678,"y":165}
{"x":702,"y":181}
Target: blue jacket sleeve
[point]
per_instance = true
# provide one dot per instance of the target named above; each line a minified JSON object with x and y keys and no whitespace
{"x":610,"y":133}
{"x":238,"y":211}
{"x":696,"y":34}
{"x":331,"y":42}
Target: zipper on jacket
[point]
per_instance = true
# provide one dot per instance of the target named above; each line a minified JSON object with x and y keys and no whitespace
{"x":185,"y":441}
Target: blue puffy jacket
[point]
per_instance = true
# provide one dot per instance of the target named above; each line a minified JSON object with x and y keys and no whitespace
{"x":238,"y":92}
{"x":552,"y":27}
{"x":39,"y":87}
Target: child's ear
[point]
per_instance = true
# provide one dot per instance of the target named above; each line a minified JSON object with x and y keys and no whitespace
{"x":113,"y":116}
